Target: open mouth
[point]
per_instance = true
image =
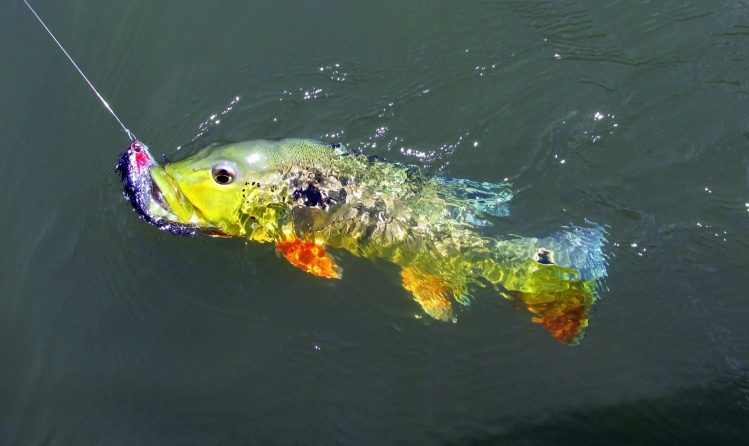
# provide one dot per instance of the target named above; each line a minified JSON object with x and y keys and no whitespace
{"x":158,"y":197}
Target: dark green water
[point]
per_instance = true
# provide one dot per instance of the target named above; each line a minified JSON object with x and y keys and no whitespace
{"x":633,"y":114}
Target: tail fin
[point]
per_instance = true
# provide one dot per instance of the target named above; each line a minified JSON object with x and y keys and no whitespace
{"x":558,"y":278}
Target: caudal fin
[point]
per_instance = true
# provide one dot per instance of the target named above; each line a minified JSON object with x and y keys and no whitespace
{"x":564,"y":312}
{"x":558,"y":278}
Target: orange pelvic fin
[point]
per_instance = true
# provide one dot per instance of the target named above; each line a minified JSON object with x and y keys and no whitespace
{"x":310,"y":257}
{"x":563,"y":313}
{"x":431,"y":292}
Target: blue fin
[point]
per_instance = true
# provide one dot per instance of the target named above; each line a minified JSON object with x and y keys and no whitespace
{"x":576,"y":247}
{"x":469,"y":199}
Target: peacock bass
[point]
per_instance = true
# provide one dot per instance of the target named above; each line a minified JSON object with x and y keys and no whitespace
{"x":311,"y":198}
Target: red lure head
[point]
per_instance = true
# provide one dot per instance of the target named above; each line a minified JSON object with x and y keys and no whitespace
{"x":140,"y":158}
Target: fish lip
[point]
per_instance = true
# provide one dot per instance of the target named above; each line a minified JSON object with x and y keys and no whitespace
{"x":167,"y":197}
{"x":158,"y":196}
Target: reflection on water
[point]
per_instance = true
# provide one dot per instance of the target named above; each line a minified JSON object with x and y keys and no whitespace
{"x":632,"y":115}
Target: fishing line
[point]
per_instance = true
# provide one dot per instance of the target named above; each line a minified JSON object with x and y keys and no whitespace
{"x":129,"y":133}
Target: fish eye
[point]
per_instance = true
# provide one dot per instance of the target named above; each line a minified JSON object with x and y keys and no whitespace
{"x":223,"y":173}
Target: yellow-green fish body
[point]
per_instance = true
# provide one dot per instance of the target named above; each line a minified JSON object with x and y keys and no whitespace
{"x":310,"y":198}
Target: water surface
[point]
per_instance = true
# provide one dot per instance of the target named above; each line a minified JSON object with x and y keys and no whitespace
{"x":632,"y":114}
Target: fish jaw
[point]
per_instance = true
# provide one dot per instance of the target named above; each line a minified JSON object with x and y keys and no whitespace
{"x":171,"y":202}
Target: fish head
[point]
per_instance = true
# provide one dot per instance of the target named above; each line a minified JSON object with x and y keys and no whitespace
{"x":209,"y":188}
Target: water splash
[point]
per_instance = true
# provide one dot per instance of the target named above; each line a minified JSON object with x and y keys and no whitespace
{"x":213,"y":121}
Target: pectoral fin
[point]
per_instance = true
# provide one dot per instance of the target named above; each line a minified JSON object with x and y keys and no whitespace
{"x":430,"y":292}
{"x":310,"y":257}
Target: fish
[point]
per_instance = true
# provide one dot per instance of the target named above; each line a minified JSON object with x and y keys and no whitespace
{"x":314,"y":200}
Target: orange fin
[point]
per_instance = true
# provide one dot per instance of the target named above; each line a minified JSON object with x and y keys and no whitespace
{"x":310,"y":257}
{"x":563,"y":313}
{"x":430,"y":292}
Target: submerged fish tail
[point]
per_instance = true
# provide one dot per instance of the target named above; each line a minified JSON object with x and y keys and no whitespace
{"x":558,"y":278}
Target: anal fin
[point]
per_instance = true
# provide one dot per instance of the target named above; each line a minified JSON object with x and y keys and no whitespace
{"x":431,"y":292}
